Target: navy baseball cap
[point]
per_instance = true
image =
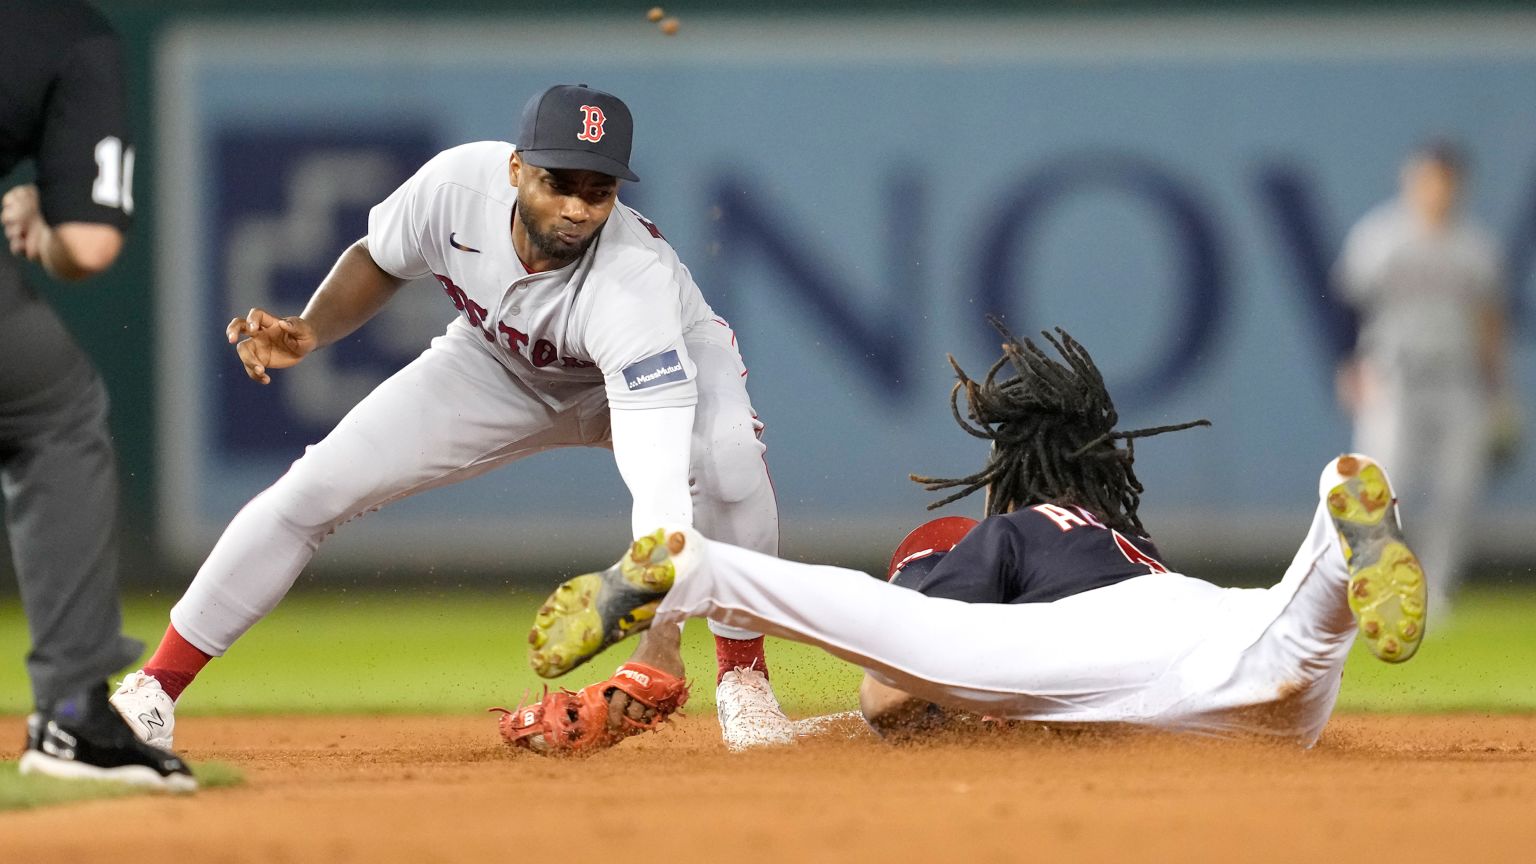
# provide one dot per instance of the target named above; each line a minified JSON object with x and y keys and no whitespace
{"x":574,"y":126}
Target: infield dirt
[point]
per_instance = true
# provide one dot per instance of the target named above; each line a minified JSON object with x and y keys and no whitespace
{"x":427,"y":789}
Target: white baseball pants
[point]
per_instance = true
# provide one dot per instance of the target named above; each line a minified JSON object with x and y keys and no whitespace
{"x":452,"y":414}
{"x":1162,"y":650}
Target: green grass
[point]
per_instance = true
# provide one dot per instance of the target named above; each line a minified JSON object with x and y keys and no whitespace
{"x":398,"y":652}
{"x":1482,"y":659}
{"x":21,"y":793}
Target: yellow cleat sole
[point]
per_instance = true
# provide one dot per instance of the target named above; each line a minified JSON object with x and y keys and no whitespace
{"x":588,"y":613}
{"x":1386,"y":583}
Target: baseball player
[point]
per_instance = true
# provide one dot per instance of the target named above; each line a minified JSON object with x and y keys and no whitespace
{"x":1057,"y":607}
{"x":578,"y":327}
{"x":63,"y":106}
{"x":1429,"y":380}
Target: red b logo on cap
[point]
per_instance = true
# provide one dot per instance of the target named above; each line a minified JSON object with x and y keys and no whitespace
{"x":591,"y":124}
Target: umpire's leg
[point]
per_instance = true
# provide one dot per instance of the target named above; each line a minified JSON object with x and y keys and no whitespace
{"x":58,"y":474}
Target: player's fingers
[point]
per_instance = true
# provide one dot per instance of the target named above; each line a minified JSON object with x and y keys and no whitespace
{"x":618,"y":703}
{"x":246,"y":354}
{"x":261,"y":319}
{"x":254,"y":368}
{"x":235,"y":330}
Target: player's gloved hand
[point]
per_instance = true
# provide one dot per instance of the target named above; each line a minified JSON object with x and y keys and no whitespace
{"x":266,"y":341}
{"x":636,"y":699}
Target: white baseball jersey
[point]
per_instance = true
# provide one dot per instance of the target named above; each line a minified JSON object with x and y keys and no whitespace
{"x":623,"y":326}
{"x":1419,"y":291}
{"x":615,"y":316}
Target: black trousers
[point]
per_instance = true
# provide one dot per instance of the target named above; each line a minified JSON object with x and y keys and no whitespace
{"x":58,"y":475}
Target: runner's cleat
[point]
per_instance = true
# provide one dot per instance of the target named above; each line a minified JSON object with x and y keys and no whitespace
{"x":750,"y":715}
{"x":588,"y":613}
{"x":148,"y":709}
{"x":1386,"y":583}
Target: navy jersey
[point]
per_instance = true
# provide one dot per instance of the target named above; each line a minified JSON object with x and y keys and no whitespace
{"x":64,"y":104}
{"x":63,"y":107}
{"x":1034,"y":555}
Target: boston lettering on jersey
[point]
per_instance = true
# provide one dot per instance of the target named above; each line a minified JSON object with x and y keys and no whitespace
{"x":654,"y":371}
{"x":1035,"y":555}
{"x":543,"y":352}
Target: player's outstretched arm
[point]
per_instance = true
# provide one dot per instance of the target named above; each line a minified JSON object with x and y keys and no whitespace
{"x":651,"y":447}
{"x":353,"y":292}
{"x":898,"y":716}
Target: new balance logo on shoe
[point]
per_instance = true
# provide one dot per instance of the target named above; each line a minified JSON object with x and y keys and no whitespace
{"x":152,"y":719}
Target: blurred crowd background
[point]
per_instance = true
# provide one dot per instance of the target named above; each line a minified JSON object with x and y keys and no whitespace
{"x":855,"y":186}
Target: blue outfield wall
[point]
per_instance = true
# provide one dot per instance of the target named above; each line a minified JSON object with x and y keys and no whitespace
{"x":854,"y":197}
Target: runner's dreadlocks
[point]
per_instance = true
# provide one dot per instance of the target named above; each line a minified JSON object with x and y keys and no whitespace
{"x":1052,"y":428}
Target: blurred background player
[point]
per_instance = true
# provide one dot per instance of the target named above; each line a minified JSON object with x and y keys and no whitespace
{"x":578,"y":327}
{"x":1428,"y":387}
{"x":1058,"y":606}
{"x":63,"y":106}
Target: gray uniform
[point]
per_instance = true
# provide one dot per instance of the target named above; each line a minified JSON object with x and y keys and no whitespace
{"x":62,"y":105}
{"x":1425,"y":405}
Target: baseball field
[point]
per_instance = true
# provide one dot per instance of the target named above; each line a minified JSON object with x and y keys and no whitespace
{"x":352,"y":727}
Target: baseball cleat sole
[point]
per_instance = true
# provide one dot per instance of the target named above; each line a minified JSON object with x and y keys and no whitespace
{"x":590,"y":612}
{"x":142,"y":776}
{"x":1386,"y":583}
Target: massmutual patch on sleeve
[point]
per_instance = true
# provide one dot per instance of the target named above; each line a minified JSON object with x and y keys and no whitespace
{"x":654,"y":371}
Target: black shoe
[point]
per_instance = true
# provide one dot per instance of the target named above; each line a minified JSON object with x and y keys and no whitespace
{"x":83,"y":738}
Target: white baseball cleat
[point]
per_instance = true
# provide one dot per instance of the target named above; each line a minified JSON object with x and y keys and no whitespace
{"x":1386,"y":582}
{"x":750,"y":715}
{"x":150,"y":712}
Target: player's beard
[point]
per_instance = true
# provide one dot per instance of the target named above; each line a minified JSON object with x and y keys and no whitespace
{"x":548,"y":244}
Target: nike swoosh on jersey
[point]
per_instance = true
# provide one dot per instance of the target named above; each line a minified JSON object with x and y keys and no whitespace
{"x":457,"y":245}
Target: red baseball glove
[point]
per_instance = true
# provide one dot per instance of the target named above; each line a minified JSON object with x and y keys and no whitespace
{"x":635,"y":699}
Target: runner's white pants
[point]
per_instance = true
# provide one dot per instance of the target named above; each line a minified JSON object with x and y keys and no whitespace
{"x":452,"y":414}
{"x":1163,"y":650}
